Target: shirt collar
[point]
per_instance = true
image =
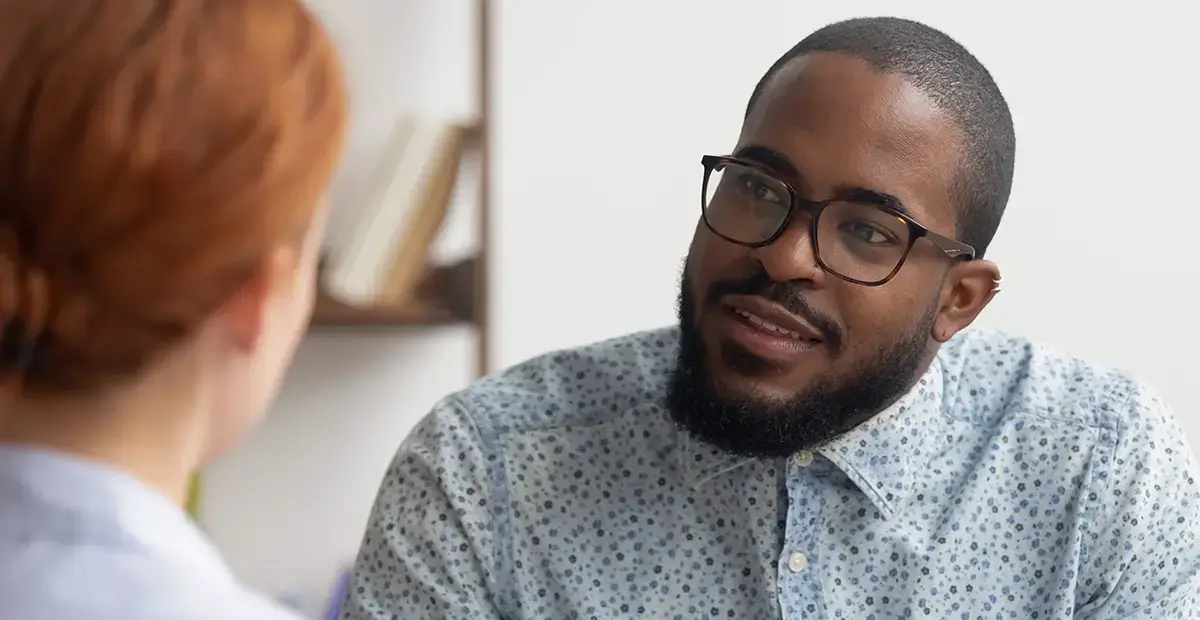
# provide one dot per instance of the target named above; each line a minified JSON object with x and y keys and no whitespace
{"x":54,"y":494}
{"x":882,"y":456}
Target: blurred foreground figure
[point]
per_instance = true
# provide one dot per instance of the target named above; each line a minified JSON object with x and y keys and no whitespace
{"x":162,"y":167}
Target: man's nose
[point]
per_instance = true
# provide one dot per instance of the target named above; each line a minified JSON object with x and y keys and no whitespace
{"x":793,"y":255}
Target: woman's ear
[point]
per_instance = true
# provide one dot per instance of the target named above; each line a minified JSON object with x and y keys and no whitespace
{"x":244,"y":318}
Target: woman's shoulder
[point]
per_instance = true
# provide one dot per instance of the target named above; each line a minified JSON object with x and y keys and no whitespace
{"x":49,"y":581}
{"x":78,"y":540}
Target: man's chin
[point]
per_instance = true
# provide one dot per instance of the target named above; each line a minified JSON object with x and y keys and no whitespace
{"x":759,"y":392}
{"x":740,"y":414}
{"x":744,"y":425}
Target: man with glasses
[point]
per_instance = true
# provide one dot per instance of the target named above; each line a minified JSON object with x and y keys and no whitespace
{"x":818,"y":438}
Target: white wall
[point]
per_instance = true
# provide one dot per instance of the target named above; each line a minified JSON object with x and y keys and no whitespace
{"x":1094,"y":248}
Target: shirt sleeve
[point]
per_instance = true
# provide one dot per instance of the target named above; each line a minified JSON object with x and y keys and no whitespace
{"x":429,"y":548}
{"x":1143,"y":556}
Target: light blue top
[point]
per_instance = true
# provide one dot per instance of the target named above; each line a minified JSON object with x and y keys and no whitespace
{"x":80,"y":541}
{"x":1011,"y":482}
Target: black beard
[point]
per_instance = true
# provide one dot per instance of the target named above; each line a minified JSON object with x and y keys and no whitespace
{"x":768,"y":428}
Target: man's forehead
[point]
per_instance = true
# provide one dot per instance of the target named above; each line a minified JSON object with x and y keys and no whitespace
{"x":845,"y":124}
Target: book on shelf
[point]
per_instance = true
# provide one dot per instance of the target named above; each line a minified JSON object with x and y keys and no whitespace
{"x":384,"y":249}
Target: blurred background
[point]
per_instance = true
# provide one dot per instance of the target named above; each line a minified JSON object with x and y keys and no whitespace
{"x":572,"y":189}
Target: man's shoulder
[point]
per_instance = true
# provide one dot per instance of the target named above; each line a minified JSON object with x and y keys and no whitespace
{"x":577,"y":386}
{"x":992,"y":374}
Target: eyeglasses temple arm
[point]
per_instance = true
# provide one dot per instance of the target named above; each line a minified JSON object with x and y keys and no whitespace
{"x":952,"y":247}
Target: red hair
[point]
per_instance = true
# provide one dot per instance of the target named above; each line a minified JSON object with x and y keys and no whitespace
{"x":151,"y":153}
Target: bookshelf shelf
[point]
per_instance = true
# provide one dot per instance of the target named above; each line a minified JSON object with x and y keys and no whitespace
{"x":445,"y":296}
{"x":330,"y":312}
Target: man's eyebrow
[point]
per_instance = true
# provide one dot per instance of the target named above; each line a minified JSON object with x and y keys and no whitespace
{"x":853,"y":193}
{"x":768,"y":157}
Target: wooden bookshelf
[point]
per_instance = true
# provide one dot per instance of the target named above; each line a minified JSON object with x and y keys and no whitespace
{"x":453,"y":294}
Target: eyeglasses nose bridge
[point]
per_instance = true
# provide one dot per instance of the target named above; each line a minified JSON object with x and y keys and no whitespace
{"x":792,"y":255}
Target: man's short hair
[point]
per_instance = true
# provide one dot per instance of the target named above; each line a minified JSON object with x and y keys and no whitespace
{"x":957,"y":82}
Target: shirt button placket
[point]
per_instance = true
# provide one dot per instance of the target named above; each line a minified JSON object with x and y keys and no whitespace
{"x":797,"y":583}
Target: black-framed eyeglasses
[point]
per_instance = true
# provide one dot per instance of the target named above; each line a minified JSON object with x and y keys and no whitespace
{"x":863,"y":243}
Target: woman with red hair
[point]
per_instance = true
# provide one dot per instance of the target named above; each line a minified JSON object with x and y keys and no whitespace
{"x":162,"y":168}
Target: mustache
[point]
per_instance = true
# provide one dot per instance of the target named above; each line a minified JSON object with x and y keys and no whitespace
{"x":783,"y":293}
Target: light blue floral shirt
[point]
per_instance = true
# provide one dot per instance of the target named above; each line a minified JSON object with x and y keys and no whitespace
{"x":1011,"y":482}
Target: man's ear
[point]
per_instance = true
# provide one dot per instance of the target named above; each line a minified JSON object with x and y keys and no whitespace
{"x":966,"y":290}
{"x":244,"y":317}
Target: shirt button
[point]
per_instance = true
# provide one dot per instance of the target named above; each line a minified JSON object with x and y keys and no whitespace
{"x":804,"y":458}
{"x":797,"y":562}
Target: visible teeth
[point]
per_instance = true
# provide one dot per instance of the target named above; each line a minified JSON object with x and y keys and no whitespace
{"x":757,"y":320}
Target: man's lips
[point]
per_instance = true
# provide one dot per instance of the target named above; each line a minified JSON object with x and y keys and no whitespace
{"x":772,"y":317}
